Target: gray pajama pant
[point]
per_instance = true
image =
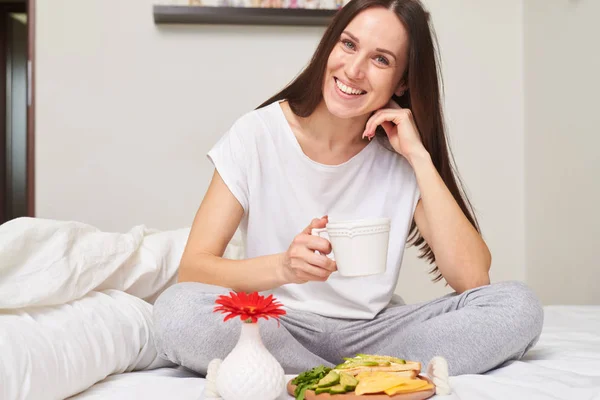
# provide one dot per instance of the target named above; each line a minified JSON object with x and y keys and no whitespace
{"x":475,"y":331}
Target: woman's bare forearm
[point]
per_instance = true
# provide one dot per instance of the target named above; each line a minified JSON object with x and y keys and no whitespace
{"x":249,"y":275}
{"x":460,"y":252}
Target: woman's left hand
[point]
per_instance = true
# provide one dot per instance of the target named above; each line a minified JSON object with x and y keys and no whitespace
{"x":400,"y":128}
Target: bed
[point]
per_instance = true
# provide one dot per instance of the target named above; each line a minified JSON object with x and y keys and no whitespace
{"x":565,"y":364}
{"x":70,"y":294}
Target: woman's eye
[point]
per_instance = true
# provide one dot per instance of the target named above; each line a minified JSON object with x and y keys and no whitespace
{"x":382,"y":60}
{"x":348,"y":44}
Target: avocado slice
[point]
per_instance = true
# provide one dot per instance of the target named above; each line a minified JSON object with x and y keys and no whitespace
{"x":332,"y":378}
{"x":320,"y":390}
{"x":338,"y":389}
{"x":382,"y":358}
{"x":358,"y":363}
{"x":348,"y":381}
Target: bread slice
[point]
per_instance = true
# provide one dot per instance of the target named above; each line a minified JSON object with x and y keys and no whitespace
{"x":412,"y":374}
{"x":410,"y":368}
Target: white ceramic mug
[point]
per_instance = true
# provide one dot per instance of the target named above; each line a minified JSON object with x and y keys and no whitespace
{"x":360,"y":247}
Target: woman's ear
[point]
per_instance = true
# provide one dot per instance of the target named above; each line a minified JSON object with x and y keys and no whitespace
{"x":402,"y":86}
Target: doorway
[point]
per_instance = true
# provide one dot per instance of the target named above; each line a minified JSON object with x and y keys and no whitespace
{"x":16,"y":109}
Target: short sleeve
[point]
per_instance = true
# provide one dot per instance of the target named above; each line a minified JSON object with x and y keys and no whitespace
{"x":416,"y":198}
{"x":230,"y":158}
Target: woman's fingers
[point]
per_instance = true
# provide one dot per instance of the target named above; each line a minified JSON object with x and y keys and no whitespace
{"x":306,"y":259}
{"x":310,"y":272}
{"x":319,"y":260}
{"x":385,"y":115}
{"x":314,"y":243}
{"x":316,"y":223}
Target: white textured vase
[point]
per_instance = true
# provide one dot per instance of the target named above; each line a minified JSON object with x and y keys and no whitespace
{"x":250,"y":372}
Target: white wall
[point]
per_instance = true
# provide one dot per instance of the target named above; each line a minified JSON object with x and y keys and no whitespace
{"x":481,"y":46}
{"x":126,"y":111}
{"x":562,"y":124}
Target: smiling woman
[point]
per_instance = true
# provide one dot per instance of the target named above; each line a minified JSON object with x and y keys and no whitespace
{"x":359,"y":134}
{"x":397,"y":59}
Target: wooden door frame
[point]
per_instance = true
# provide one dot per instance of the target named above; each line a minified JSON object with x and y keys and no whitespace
{"x":5,"y":9}
{"x":31,"y":21}
{"x":29,"y":8}
{"x":3,"y":46}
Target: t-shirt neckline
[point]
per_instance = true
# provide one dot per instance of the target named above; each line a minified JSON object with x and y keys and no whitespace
{"x":290,"y":134}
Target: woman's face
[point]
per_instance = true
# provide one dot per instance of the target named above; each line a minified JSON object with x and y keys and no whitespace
{"x":365,"y":67}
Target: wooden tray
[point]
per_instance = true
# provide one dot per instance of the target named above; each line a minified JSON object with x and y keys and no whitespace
{"x":310,"y":395}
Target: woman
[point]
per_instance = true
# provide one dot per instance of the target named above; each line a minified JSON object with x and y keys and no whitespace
{"x":308,"y":151}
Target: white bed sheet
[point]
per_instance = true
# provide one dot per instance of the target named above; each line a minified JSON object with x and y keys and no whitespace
{"x":564,"y":365}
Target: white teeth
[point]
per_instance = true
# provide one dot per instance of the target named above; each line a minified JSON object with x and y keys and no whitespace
{"x":347,"y":89}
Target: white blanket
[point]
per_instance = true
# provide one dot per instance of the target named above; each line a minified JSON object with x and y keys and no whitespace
{"x":75,"y":303}
{"x":54,"y":352}
{"x":47,"y":262}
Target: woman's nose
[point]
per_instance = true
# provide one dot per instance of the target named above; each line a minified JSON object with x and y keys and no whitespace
{"x":354,"y":68}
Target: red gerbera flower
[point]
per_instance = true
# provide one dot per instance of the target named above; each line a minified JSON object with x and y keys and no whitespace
{"x":249,"y":307}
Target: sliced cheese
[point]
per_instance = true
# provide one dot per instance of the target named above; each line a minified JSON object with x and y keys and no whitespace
{"x":378,"y":382}
{"x":417,"y":385}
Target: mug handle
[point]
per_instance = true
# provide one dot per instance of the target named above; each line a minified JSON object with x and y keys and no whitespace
{"x":322,"y":232}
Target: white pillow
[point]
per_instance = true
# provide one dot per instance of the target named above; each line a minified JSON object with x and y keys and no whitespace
{"x":57,"y":351}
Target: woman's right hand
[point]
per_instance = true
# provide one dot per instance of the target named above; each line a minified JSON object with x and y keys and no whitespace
{"x":300,"y":262}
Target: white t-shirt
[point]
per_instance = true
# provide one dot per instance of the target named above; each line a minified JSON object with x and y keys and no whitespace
{"x":282,"y":190}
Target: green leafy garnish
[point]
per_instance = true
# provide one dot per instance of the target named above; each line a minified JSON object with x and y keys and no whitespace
{"x":307,"y":379}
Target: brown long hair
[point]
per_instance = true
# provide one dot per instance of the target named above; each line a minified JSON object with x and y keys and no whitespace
{"x":422,"y":96}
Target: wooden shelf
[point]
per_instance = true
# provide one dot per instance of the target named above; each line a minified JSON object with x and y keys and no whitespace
{"x":241,"y":16}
